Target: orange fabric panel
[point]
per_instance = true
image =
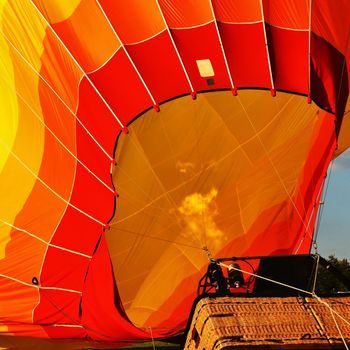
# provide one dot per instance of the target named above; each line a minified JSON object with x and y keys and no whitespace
{"x":134,"y":20}
{"x":83,"y":36}
{"x":57,"y":10}
{"x":237,"y":10}
{"x":42,"y":210}
{"x":16,"y":300}
{"x":344,"y":135}
{"x":37,"y":211}
{"x":63,"y":77}
{"x":292,"y":14}
{"x":331,"y":20}
{"x":180,"y":13}
{"x":80,"y":24}
{"x":21,"y":249}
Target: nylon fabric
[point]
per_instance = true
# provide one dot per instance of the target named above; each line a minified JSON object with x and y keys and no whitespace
{"x":237,"y":11}
{"x":239,"y":174}
{"x":182,"y":14}
{"x":124,"y":15}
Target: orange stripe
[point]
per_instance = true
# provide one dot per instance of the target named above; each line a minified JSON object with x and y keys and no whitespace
{"x":237,"y":10}
{"x":82,"y":33}
{"x":134,"y":20}
{"x":179,"y":13}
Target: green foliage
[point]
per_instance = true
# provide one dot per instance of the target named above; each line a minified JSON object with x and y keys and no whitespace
{"x":327,"y":283}
{"x":150,"y":346}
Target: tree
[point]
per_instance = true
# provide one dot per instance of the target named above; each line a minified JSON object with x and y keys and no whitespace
{"x":327,"y":282}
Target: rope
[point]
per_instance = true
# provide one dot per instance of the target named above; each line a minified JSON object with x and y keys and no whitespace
{"x":340,"y":333}
{"x":325,"y":303}
{"x":315,"y":279}
{"x":321,"y":209}
{"x":334,"y":319}
{"x":154,"y":345}
{"x":207,"y":251}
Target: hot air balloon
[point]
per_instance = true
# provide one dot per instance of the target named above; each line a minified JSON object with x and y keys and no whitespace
{"x":139,"y":137}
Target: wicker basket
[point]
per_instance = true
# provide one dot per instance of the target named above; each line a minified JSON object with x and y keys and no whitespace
{"x":268,"y":323}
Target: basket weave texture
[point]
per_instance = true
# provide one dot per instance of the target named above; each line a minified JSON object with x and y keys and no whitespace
{"x":269,"y":323}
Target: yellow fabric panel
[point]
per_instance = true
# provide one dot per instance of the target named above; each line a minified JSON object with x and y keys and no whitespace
{"x":34,"y":98}
{"x":25,"y":29}
{"x":32,"y":153}
{"x":57,"y":10}
{"x":9,"y":123}
{"x":82,"y":30}
{"x":8,"y":101}
{"x":33,"y":150}
{"x":185,"y":176}
{"x":27,"y":35}
{"x":15,"y":182}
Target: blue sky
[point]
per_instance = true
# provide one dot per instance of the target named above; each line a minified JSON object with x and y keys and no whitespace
{"x":334,"y":232}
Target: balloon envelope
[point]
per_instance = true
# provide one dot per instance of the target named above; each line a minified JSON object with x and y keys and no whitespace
{"x":126,"y":156}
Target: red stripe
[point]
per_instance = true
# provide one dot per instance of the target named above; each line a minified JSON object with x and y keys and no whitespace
{"x":289,"y":58}
{"x":83,"y":233}
{"x":160,"y":67}
{"x":121,"y":87}
{"x":246,"y":54}
{"x":198,"y":44}
{"x":327,"y":76}
{"x":103,"y":316}
{"x":57,"y":307}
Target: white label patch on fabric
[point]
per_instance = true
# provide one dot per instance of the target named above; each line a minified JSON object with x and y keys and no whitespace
{"x":205,"y":68}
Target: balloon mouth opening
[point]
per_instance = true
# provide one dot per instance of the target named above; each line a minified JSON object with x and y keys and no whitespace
{"x":214,"y":173}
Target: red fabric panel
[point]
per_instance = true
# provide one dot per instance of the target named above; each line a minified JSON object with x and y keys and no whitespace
{"x":102,"y":319}
{"x":246,"y":53}
{"x":91,"y":196}
{"x":65,"y":332}
{"x":63,"y":269}
{"x":83,"y":235}
{"x":92,"y":109}
{"x":191,"y":48}
{"x":57,"y":307}
{"x":289,"y":58}
{"x":121,"y":87}
{"x":42,"y":331}
{"x":157,"y":61}
{"x":327,"y":76}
